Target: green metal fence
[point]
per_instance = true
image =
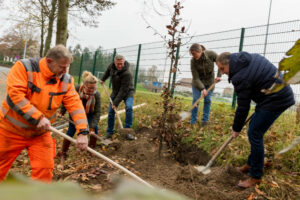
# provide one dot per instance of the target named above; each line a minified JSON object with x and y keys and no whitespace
{"x":149,"y":62}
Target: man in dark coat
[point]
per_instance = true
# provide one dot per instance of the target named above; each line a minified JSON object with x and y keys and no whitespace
{"x":122,"y":90}
{"x":249,"y":74}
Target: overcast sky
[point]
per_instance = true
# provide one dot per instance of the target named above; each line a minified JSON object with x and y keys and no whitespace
{"x":123,"y":25}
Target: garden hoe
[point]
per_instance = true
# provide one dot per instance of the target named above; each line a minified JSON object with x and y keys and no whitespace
{"x":206,"y":169}
{"x":127,"y":132}
{"x":99,"y":155}
{"x":184,"y":115}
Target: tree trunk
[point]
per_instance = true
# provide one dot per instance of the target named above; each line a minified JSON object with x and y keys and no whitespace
{"x":62,"y":22}
{"x":42,"y":33}
{"x":50,"y":26}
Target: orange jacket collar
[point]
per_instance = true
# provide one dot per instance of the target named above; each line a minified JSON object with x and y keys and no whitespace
{"x":45,"y":69}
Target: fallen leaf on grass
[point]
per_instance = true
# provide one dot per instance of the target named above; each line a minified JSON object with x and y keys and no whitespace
{"x":251,"y":197}
{"x":258,"y":191}
{"x":96,"y":187}
{"x":274,"y":184}
{"x":84,"y":177}
{"x":91,"y":175}
{"x":107,"y":177}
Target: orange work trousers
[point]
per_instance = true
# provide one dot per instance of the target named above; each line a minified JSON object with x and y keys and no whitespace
{"x":40,"y":152}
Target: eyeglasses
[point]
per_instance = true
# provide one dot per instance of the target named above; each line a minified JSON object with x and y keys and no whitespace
{"x":90,"y":88}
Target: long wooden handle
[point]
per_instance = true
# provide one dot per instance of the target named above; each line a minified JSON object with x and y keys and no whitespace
{"x":93,"y":134}
{"x":202,"y":96}
{"x":111,"y":102}
{"x":103,"y":157}
{"x":219,"y":151}
{"x":224,"y":145}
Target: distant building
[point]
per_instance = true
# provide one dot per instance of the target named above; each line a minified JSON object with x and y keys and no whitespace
{"x":227,"y":92}
{"x":185,"y":82}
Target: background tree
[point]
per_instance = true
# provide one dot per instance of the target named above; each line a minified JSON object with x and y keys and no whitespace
{"x":152,"y":74}
{"x":51,"y":18}
{"x":86,"y":10}
{"x":62,"y":22}
{"x":43,"y":13}
{"x":12,"y":44}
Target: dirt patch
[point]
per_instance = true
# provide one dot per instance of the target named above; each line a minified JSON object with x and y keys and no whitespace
{"x":141,"y":157}
{"x":191,"y":155}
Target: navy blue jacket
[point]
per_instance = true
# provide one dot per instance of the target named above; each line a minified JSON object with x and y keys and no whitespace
{"x":250,"y":73}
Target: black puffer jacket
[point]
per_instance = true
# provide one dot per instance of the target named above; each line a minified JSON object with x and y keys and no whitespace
{"x":122,"y":82}
{"x":250,"y":73}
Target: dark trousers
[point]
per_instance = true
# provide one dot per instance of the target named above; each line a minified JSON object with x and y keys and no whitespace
{"x":259,"y":124}
{"x":72,"y":130}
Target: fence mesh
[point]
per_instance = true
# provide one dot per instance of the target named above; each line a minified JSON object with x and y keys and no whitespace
{"x":154,"y":64}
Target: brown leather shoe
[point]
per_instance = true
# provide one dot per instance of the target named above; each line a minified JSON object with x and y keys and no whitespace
{"x":244,"y":169}
{"x":249,"y":182}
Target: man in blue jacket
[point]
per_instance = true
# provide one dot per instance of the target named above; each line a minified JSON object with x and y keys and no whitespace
{"x":249,"y":74}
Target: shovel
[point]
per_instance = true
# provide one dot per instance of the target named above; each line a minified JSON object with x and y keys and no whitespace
{"x":99,"y":155}
{"x":184,"y":115}
{"x":206,"y":169}
{"x":127,"y":132}
{"x":295,"y":142}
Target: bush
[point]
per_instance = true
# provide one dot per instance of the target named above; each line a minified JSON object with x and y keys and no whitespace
{"x":6,"y":63}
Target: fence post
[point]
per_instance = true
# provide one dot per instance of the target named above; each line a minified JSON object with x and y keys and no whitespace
{"x":240,"y":49}
{"x":95,"y":60}
{"x":80,"y":68}
{"x":137,"y":66}
{"x":113,"y":58}
{"x":174,"y":76}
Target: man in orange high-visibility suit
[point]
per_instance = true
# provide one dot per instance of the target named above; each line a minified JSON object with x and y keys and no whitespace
{"x":35,"y":89}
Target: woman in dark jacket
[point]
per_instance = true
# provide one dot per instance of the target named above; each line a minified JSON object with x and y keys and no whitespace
{"x":202,"y":67}
{"x":90,"y":98}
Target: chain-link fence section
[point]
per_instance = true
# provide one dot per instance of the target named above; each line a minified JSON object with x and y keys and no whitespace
{"x":150,"y":64}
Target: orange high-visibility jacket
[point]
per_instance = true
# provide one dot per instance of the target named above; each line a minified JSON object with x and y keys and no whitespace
{"x":33,"y":92}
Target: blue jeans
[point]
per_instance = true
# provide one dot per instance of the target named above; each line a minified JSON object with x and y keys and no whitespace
{"x":206,"y":107}
{"x":259,"y":124}
{"x":128,"y":119}
{"x":72,"y":130}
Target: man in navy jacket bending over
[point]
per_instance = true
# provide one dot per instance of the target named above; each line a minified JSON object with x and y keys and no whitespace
{"x":249,"y":74}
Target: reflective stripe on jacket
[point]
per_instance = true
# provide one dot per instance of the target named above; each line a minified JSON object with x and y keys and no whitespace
{"x":34,"y":92}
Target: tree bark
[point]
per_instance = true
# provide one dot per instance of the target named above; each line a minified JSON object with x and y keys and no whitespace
{"x":62,"y":22}
{"x":42,"y":33}
{"x":50,"y":26}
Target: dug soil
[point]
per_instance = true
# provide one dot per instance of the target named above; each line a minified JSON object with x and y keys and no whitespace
{"x":141,"y":157}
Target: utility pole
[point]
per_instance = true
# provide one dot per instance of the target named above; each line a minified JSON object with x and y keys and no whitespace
{"x":267,"y":31}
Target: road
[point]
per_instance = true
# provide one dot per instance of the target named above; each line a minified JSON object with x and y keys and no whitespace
{"x":3,"y":73}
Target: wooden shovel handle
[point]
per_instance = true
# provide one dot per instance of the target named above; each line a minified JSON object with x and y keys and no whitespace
{"x":224,"y":145}
{"x":111,"y":102}
{"x":202,"y":96}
